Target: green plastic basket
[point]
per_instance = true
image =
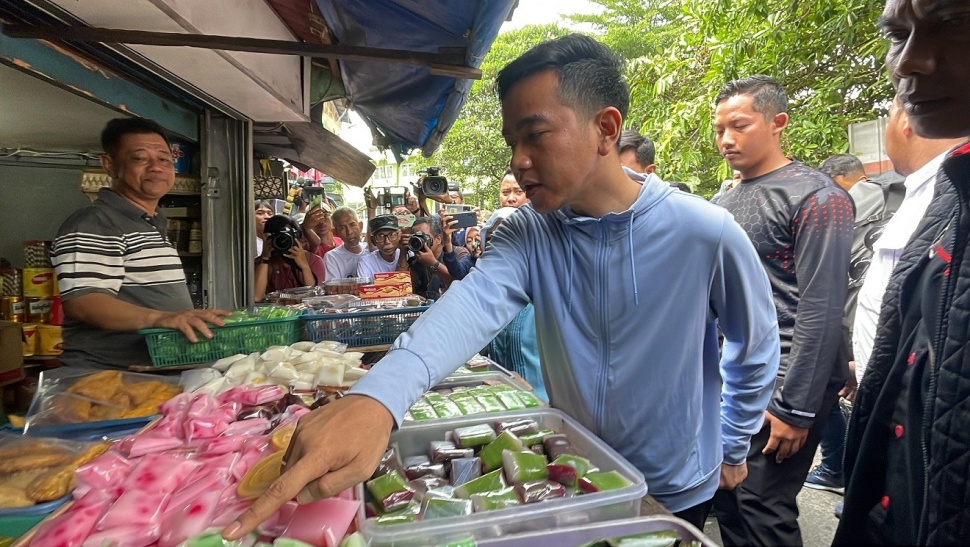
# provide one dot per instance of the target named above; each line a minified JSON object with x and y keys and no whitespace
{"x":169,"y":347}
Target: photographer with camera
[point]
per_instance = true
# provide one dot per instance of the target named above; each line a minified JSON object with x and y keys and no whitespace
{"x":429,"y":276}
{"x":284,"y":264}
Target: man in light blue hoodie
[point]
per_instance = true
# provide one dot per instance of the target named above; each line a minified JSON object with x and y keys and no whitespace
{"x":629,"y":281}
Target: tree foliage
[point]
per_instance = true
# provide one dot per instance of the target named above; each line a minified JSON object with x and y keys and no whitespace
{"x":826,"y":53}
{"x":474,"y":151}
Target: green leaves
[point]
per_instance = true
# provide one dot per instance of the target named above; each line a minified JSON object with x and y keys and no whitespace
{"x":827,"y":54}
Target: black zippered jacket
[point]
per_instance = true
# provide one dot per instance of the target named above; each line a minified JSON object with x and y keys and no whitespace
{"x":910,"y":433}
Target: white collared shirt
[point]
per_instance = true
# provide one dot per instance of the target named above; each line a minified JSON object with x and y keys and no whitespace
{"x":886,"y":252}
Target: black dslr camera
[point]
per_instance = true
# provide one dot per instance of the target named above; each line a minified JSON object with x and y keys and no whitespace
{"x":284,"y":240}
{"x":434,"y":184}
{"x":418,"y":240}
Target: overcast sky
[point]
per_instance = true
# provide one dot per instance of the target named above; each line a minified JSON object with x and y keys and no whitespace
{"x":535,"y":12}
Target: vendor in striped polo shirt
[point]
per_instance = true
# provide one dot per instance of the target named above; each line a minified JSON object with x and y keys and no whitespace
{"x":116,"y":270}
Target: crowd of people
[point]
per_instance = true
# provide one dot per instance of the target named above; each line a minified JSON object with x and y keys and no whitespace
{"x":711,"y":343}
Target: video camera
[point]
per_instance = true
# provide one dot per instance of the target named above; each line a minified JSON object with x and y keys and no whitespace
{"x":434,"y":184}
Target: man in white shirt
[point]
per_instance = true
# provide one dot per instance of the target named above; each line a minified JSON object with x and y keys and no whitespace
{"x":343,"y":261}
{"x":918,"y":160}
{"x":385,"y":235}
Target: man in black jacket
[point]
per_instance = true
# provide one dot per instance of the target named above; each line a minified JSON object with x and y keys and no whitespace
{"x":908,"y":448}
{"x":800,"y":222}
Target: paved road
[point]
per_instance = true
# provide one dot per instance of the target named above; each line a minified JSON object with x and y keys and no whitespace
{"x":817,"y":519}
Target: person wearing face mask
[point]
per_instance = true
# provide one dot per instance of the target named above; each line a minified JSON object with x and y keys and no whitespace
{"x":116,"y":269}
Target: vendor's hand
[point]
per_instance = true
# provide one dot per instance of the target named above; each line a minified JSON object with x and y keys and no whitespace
{"x":732,"y":475}
{"x":190,"y":321}
{"x":851,"y":384}
{"x":785,"y":439}
{"x":327,"y":455}
{"x":425,"y":257}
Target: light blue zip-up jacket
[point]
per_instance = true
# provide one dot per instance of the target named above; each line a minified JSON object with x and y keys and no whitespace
{"x":627,"y":308}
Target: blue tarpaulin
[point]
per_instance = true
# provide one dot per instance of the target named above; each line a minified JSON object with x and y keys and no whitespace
{"x":405,"y":104}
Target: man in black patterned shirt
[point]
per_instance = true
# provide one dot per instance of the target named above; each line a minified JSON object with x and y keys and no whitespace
{"x":800,"y":223}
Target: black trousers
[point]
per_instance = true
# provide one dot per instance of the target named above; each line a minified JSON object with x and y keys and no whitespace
{"x":697,"y":514}
{"x":762,"y":509}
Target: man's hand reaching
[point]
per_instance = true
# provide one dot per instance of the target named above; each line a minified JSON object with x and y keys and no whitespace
{"x":190,"y":321}
{"x":335,"y":447}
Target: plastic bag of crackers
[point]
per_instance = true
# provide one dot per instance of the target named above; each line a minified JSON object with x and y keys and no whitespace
{"x":77,"y":396}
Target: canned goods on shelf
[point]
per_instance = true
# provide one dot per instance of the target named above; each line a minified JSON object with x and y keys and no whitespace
{"x":37,"y":310}
{"x":38,"y":282}
{"x":12,"y":309}
{"x":37,"y":254}
{"x":50,"y":340}
{"x":11,"y":282}
{"x":30,"y":339}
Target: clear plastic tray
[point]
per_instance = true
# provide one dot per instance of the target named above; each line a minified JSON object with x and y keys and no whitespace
{"x":472,"y":379}
{"x":579,"y":535}
{"x":590,"y":508}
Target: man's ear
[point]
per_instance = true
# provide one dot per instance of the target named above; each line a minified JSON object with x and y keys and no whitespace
{"x":108,"y":165}
{"x":650,"y":169}
{"x":609,"y":125}
{"x":779,"y":122}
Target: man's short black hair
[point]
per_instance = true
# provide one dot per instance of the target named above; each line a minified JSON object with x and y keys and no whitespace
{"x":117,"y":128}
{"x":681,"y":186}
{"x":433,"y":221}
{"x":769,"y":97}
{"x":590,"y":75}
{"x":641,"y":145}
{"x":841,"y":164}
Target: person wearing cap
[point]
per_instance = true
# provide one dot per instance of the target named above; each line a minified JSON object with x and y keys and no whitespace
{"x":385,"y":234}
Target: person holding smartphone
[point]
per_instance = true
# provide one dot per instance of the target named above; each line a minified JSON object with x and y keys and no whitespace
{"x":455,"y":257}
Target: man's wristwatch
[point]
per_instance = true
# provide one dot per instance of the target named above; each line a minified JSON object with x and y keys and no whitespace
{"x":434,"y":267}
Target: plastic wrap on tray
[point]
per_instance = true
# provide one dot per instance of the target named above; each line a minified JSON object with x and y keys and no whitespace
{"x":71,"y":395}
{"x":35,"y":470}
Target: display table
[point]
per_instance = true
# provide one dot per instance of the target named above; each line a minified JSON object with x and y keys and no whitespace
{"x":649,"y":506}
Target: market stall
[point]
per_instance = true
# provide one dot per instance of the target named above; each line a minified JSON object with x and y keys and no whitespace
{"x":479,"y":460}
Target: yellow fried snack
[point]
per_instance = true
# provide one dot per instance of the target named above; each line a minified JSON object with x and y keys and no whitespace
{"x":100,"y":386}
{"x":17,"y":422}
{"x":139,"y":392}
{"x":58,"y":483}
{"x":33,"y":461}
{"x":29,"y":448}
{"x":13,"y":497}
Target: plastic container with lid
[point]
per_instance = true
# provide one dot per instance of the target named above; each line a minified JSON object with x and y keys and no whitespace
{"x":580,"y":535}
{"x":550,"y":515}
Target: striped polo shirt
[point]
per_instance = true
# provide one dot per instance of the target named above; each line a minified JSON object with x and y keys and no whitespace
{"x":115,"y":248}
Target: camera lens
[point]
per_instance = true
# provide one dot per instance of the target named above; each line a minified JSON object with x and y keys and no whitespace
{"x":418,"y":240}
{"x":282,"y":242}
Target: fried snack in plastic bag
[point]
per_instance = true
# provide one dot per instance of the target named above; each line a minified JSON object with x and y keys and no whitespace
{"x":36,"y":470}
{"x":56,"y":484}
{"x":75,"y":395}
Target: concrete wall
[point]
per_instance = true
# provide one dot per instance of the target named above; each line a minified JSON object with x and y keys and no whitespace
{"x":34,"y":201}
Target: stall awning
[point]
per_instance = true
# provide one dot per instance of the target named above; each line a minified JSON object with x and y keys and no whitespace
{"x":405,"y":105}
{"x":307,"y":144}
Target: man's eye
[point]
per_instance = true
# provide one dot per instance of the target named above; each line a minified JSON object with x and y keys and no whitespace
{"x":896,"y":36}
